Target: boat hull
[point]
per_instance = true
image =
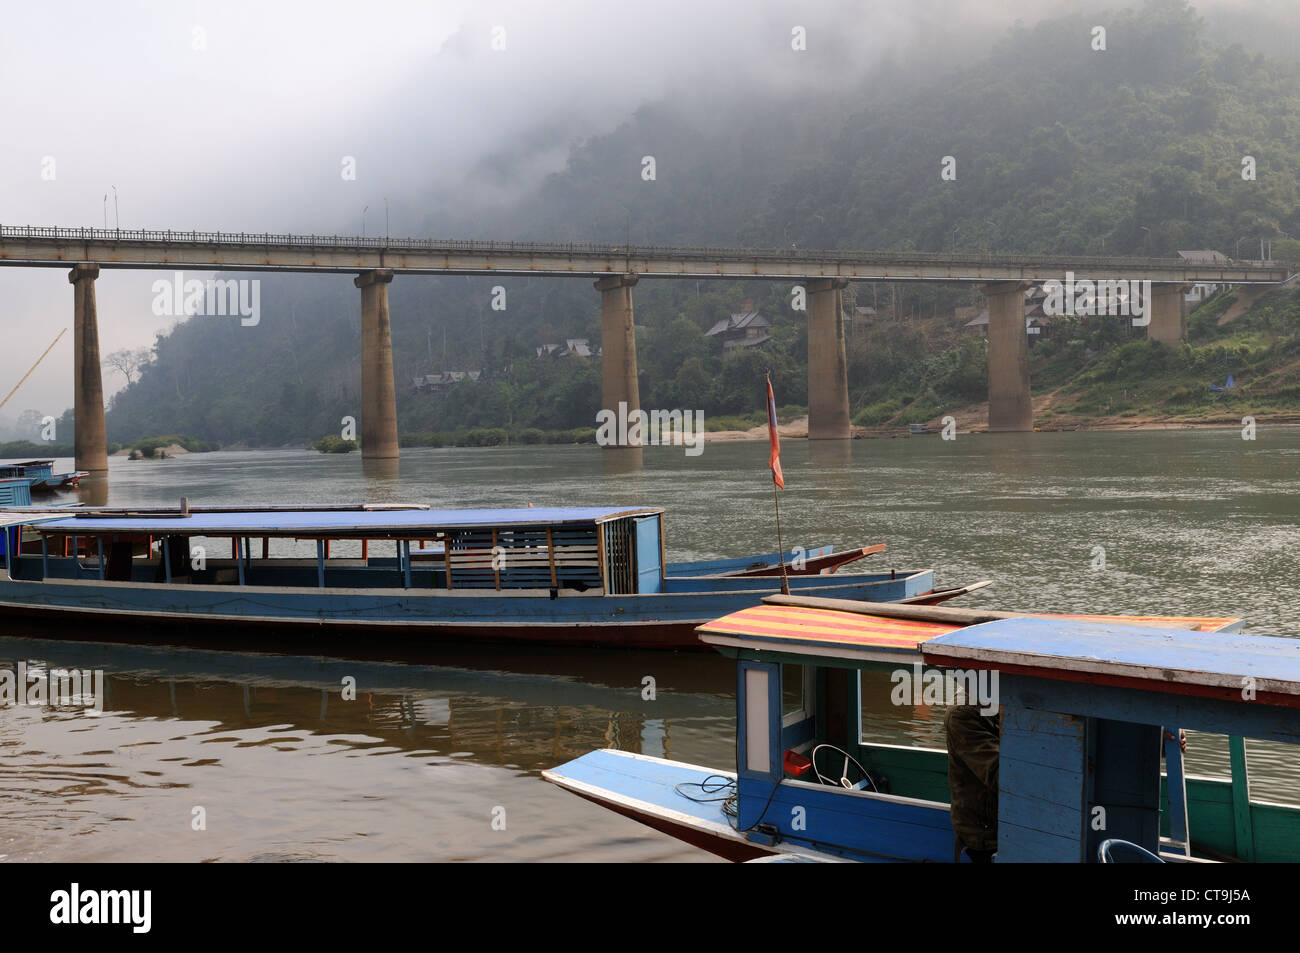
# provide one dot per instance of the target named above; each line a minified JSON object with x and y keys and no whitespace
{"x":643,"y":788}
{"x":650,"y":791}
{"x":650,"y":621}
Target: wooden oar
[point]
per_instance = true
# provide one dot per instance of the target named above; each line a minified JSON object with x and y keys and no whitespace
{"x":893,"y":610}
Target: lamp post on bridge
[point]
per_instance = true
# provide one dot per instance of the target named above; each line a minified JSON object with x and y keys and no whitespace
{"x":117,"y":219}
{"x":363,"y":220}
{"x":1146,"y":241}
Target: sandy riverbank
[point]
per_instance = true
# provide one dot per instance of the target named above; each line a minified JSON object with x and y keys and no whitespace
{"x":969,"y":420}
{"x":173,"y":450}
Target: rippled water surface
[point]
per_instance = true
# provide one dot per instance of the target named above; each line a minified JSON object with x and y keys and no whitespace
{"x":439,"y":743}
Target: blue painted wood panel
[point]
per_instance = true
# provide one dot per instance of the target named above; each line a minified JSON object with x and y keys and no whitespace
{"x":1124,"y":780}
{"x":16,"y":492}
{"x":1254,"y":720}
{"x":1041,"y":786}
{"x":846,"y":822}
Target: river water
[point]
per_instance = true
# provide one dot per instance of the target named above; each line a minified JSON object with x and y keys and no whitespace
{"x":440,"y":756}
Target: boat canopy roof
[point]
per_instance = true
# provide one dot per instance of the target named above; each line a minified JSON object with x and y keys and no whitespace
{"x":859,"y":637}
{"x":26,"y":463}
{"x":1110,"y":652}
{"x":825,"y":632}
{"x":359,"y":524}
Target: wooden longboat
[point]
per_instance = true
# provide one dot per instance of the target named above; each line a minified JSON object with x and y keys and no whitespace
{"x":41,"y":477}
{"x":1090,"y":706}
{"x":588,"y":576}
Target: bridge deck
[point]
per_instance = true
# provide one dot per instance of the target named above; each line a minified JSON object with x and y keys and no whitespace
{"x":30,"y":246}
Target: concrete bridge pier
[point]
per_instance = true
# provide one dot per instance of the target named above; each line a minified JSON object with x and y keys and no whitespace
{"x":828,"y":366}
{"x":618,"y":371}
{"x":1168,"y":315}
{"x":1010,"y":408}
{"x":378,"y":396}
{"x":90,"y":440}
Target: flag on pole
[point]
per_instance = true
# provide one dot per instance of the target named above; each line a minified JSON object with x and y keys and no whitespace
{"x":775,"y":462}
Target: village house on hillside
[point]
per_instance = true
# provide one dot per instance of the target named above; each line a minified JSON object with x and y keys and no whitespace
{"x":1036,"y":318}
{"x":578,"y":346}
{"x":745,"y":328}
{"x":433,"y":383}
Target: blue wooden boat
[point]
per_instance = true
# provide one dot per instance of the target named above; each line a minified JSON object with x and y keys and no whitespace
{"x":594,"y":575}
{"x":41,"y":476}
{"x":1088,"y":707}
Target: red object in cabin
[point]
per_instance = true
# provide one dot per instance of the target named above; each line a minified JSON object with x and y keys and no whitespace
{"x":795,"y":764}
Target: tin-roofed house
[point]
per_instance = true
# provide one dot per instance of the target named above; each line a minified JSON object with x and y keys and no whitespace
{"x":745,"y":328}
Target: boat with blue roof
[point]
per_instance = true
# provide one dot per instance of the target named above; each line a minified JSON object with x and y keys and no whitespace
{"x":561,"y":575}
{"x":41,"y":477}
{"x":1086,"y":752}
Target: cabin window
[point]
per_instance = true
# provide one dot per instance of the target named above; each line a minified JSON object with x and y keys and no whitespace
{"x":791,"y":689}
{"x":892,"y":710}
{"x":562,"y":557}
{"x":796,"y":692}
{"x":1209,"y":756}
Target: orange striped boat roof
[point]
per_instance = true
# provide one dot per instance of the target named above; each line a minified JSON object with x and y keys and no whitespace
{"x":803,"y":628}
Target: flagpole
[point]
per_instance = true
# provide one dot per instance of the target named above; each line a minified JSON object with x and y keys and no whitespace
{"x":780,"y":547}
{"x":777,"y":481}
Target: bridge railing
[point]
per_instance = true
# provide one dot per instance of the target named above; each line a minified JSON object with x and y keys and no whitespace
{"x":584,"y":249}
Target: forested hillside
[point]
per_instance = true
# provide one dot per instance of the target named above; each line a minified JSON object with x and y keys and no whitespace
{"x":1058,"y":148}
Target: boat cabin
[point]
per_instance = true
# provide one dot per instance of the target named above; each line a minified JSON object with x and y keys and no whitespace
{"x":34,"y":470}
{"x":15,"y":489}
{"x":593,"y":550}
{"x":1090,"y":712}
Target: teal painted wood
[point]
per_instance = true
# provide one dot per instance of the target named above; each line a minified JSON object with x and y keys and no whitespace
{"x":1241,"y":818}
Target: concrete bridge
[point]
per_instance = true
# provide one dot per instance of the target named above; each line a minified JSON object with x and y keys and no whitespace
{"x":617,"y":269}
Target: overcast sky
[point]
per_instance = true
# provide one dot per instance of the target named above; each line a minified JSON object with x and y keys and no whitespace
{"x":238,"y":116}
